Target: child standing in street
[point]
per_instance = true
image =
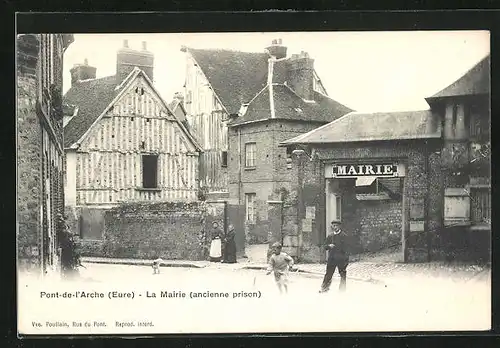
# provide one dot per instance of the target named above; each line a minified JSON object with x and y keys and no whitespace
{"x":280,"y":263}
{"x":156,"y":265}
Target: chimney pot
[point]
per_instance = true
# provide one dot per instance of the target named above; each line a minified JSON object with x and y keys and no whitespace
{"x":83,"y":71}
{"x":276,"y":49}
{"x":128,"y":59}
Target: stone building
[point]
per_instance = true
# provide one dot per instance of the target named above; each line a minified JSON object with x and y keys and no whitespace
{"x":291,"y":102}
{"x":40,"y":152}
{"x":241,"y":105}
{"x":419,"y":180}
{"x":123,"y":143}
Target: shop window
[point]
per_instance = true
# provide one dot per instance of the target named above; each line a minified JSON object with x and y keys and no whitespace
{"x":250,"y":152}
{"x":480,"y":205}
{"x":149,"y":171}
{"x":250,"y":207}
{"x":456,"y":206}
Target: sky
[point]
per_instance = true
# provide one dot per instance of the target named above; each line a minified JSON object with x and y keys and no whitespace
{"x":366,"y":71}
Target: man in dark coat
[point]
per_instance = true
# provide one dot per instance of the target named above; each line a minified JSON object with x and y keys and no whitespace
{"x":338,"y":257}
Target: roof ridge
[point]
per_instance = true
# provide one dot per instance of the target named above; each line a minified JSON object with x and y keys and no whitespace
{"x":299,"y":137}
{"x":225,"y":50}
{"x":330,"y":98}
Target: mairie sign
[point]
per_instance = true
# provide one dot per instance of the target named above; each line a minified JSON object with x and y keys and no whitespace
{"x":348,"y":170}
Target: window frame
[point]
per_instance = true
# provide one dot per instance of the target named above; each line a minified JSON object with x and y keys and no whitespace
{"x":251,"y":207}
{"x":253,"y":162}
{"x":154,"y":186}
{"x":224,"y":159}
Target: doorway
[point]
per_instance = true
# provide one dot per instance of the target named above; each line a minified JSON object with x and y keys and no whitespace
{"x":370,"y":210}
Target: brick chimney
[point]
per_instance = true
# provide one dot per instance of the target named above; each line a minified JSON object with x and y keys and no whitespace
{"x":301,"y":75}
{"x":81,"y":72}
{"x":276,"y":49}
{"x":127,"y":59}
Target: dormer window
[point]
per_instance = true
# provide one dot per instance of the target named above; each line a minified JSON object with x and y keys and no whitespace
{"x":243,"y":109}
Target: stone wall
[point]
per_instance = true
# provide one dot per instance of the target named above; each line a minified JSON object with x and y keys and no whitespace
{"x":271,"y":175}
{"x":171,"y":231}
{"x":381,"y":224}
{"x":423,"y":214}
{"x":148,"y":230}
{"x":29,"y":185}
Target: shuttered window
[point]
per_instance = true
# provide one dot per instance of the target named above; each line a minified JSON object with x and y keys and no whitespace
{"x":481,"y":205}
{"x":149,"y":171}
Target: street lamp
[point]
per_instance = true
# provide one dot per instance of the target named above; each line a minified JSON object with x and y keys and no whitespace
{"x":300,"y":152}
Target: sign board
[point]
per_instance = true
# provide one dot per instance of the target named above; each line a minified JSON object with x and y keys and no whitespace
{"x":356,"y":170}
{"x":310,"y":213}
{"x":306,"y":225}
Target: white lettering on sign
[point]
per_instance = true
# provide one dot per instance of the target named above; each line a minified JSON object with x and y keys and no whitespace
{"x":342,"y":170}
{"x":356,"y":170}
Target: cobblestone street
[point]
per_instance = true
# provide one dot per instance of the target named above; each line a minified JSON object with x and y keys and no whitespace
{"x":254,"y":304}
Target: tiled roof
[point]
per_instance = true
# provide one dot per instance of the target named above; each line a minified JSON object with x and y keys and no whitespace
{"x":288,"y":105}
{"x":91,"y":97}
{"x":475,"y":81}
{"x":372,"y":127}
{"x":236,"y":77}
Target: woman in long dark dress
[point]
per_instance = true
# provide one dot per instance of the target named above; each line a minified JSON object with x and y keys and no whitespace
{"x":230,"y":246}
{"x":216,"y":243}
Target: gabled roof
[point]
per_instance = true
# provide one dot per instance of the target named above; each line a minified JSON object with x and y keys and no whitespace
{"x":173,"y":105}
{"x":377,"y":126}
{"x":289,"y":106}
{"x":91,"y":97}
{"x":236,"y":77}
{"x":94,"y":97}
{"x":473,"y":82}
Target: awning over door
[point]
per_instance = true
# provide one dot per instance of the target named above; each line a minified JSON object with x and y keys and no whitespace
{"x":365,"y":180}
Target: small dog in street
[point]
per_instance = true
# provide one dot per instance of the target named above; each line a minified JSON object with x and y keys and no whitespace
{"x":156,"y":265}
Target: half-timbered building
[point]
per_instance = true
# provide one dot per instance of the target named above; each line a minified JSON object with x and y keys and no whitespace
{"x":123,"y":143}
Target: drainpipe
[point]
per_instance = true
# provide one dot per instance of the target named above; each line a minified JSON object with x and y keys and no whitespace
{"x":426,"y":202}
{"x":239,"y":166}
{"x":300,"y":196}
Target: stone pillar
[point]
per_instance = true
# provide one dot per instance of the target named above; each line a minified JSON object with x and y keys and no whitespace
{"x":275,"y":218}
{"x":350,"y":221}
{"x":416,"y":196}
{"x":448,"y":121}
{"x":460,"y":129}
